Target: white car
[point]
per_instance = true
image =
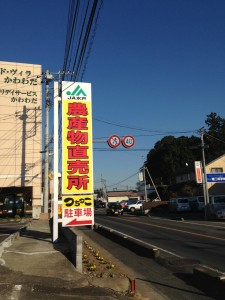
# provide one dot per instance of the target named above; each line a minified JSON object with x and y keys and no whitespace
{"x":133,"y":205}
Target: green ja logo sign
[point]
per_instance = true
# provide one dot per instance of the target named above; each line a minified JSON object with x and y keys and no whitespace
{"x":77,"y":92}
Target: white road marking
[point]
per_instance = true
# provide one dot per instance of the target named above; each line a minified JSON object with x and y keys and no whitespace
{"x":31,"y":253}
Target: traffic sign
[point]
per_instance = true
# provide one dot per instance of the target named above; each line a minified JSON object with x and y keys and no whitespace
{"x":216,"y":177}
{"x":128,"y":141}
{"x":114,"y":141}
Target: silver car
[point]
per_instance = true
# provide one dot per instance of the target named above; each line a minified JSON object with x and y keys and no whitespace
{"x":133,"y":205}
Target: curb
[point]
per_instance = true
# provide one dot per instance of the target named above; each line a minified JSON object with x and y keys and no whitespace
{"x":128,"y":242}
{"x":9,"y":240}
{"x":209,"y":279}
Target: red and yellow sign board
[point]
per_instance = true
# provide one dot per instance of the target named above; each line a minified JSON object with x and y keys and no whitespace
{"x":77,"y":210}
{"x":198,"y":171}
{"x":77,"y":145}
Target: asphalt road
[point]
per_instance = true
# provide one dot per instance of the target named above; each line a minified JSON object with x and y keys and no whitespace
{"x":10,"y":226}
{"x":199,"y":240}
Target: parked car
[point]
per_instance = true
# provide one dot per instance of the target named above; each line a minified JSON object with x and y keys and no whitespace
{"x":114,"y":208}
{"x":133,"y":205}
{"x":216,"y":207}
{"x":179,"y":204}
{"x":12,"y":205}
{"x":220,"y":213}
{"x":197,"y":203}
{"x":99,"y":204}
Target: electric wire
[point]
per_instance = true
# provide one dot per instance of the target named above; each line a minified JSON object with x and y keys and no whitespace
{"x":118,"y":183}
{"x":72,"y":20}
{"x":143,"y":129}
{"x":79,"y":45}
{"x":79,"y":37}
{"x":92,"y":39}
{"x":213,"y":137}
{"x":85,"y":42}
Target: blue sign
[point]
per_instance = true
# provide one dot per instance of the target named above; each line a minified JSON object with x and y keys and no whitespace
{"x":215,"y":177}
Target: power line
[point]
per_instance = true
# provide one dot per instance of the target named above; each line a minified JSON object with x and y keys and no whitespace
{"x":118,"y":183}
{"x":79,"y":37}
{"x":119,"y":150}
{"x":211,"y":136}
{"x":72,"y":19}
{"x":92,"y":39}
{"x":144,"y":129}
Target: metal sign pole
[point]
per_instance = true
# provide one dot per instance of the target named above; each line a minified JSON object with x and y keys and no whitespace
{"x":56,"y":179}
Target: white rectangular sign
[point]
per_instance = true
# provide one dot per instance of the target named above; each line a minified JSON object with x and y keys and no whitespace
{"x":198,"y":171}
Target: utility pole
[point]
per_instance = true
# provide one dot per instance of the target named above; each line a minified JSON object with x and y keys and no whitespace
{"x":48,"y":78}
{"x":145,"y":183}
{"x":205,"y":188}
{"x":153,"y":183}
{"x":104,"y":187}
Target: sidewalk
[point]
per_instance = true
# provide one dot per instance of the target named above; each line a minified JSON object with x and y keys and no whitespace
{"x":35,"y":268}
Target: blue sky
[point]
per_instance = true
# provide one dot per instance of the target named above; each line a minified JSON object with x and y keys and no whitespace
{"x":155,"y":65}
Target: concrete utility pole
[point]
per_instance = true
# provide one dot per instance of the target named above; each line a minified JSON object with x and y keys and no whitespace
{"x":205,"y":188}
{"x":48,"y":78}
{"x":153,"y":184}
{"x":144,"y":168}
{"x":104,"y":189}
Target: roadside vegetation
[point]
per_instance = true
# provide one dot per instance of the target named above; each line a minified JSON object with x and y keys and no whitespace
{"x":172,"y":154}
{"x":97,"y":263}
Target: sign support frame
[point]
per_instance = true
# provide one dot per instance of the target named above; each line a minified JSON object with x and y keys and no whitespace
{"x":56,"y":150}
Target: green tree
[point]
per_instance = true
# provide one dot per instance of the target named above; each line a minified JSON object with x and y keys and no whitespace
{"x":215,"y":136}
{"x":171,"y":154}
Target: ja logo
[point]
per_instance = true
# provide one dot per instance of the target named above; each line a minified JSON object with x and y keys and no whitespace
{"x":77,"y":92}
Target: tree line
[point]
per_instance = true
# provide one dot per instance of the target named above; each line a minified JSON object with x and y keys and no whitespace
{"x":172,"y":154}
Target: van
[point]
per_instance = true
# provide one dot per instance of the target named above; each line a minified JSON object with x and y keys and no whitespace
{"x":13,"y":205}
{"x":179,"y":204}
{"x":216,"y":207}
{"x":197,"y":203}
